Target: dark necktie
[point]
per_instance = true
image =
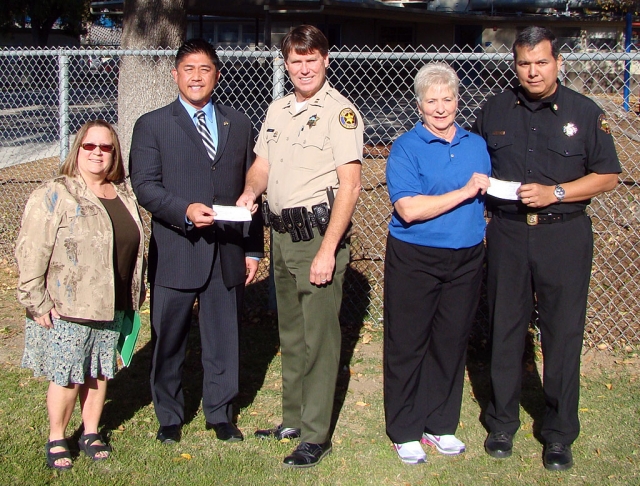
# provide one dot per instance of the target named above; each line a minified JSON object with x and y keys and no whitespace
{"x":205,"y":134}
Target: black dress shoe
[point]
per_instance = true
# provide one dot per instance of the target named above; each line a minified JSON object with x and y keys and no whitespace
{"x":278,"y":433}
{"x":557,"y":457}
{"x":499,"y":444}
{"x":226,"y":431}
{"x":307,"y":454}
{"x":169,"y":434}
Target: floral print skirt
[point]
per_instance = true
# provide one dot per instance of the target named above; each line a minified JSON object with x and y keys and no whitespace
{"x":69,"y":351}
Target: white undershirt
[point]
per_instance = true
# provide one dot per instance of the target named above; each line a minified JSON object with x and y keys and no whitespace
{"x":300,"y":105}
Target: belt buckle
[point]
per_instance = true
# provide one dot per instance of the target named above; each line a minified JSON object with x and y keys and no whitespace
{"x":532,"y":219}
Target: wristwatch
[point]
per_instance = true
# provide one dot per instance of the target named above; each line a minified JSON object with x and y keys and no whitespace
{"x":558,"y":192}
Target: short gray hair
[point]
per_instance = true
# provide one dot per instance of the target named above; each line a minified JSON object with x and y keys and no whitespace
{"x":435,"y":73}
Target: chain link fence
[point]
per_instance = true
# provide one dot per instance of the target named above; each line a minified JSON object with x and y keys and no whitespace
{"x":46,"y":95}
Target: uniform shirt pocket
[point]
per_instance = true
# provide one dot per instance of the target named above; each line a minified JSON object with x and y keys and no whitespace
{"x":272,"y":136}
{"x":309,"y":143}
{"x":499,"y":142}
{"x":566,"y":159}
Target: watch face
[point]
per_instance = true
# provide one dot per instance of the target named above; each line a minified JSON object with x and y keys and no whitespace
{"x":559,"y":192}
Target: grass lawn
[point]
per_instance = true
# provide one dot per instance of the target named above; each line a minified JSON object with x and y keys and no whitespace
{"x":607,"y":451}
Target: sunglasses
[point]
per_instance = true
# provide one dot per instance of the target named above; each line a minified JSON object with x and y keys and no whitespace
{"x":104,"y":147}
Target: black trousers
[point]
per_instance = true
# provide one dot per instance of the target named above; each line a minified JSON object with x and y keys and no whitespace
{"x":549,"y":265}
{"x":218,"y":310}
{"x":430,"y":298}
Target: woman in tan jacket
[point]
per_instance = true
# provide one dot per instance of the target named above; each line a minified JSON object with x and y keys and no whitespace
{"x":80,"y":256}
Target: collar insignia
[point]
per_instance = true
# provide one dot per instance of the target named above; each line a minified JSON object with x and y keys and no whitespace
{"x":570,"y":129}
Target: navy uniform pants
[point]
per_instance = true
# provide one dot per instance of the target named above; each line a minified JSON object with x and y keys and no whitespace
{"x":430,"y":298}
{"x":310,"y":335}
{"x":547,"y":265}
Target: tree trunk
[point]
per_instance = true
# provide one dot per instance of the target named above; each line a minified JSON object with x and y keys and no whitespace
{"x":146,"y":83}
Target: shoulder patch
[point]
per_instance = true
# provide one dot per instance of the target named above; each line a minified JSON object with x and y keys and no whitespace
{"x":348,"y":119}
{"x":603,"y":124}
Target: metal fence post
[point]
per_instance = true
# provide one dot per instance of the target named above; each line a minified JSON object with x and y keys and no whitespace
{"x":63,"y":107}
{"x":278,"y":77}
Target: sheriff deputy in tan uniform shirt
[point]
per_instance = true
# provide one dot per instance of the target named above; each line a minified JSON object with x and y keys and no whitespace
{"x":311,"y":140}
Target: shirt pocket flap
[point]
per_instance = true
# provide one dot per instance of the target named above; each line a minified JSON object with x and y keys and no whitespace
{"x":311,"y":138}
{"x":566,"y":147}
{"x":272,"y":135}
{"x":496,"y":142}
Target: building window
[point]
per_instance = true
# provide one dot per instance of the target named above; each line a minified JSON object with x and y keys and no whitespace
{"x":396,"y":36}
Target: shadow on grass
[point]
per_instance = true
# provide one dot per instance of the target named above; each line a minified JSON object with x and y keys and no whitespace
{"x":355,"y":302}
{"x":130,"y":391}
{"x":479,"y":369}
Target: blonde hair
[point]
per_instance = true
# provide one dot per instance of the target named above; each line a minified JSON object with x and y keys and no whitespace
{"x":116,"y":171}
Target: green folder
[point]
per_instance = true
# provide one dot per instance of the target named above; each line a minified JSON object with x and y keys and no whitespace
{"x":128,"y":336}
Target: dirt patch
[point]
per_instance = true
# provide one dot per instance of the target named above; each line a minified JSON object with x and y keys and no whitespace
{"x":11,"y":317}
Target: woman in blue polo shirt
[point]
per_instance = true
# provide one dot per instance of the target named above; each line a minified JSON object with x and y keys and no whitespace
{"x":437,"y":175}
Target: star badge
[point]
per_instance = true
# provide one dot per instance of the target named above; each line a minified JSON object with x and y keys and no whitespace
{"x":311,"y":122}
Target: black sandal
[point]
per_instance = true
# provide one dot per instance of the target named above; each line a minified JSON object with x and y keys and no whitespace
{"x":52,"y":457}
{"x":86,"y":444}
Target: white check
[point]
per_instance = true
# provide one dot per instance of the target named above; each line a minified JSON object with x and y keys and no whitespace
{"x":231,"y":213}
{"x":503,"y":189}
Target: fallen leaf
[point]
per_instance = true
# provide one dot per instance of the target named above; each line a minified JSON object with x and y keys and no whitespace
{"x":366,"y":338}
{"x":609,"y":386}
{"x":583,"y":410}
{"x":186,"y":456}
{"x":362,"y":404}
{"x":598,"y":452}
{"x":602,"y":346}
{"x":121,"y":428}
{"x":145,"y":311}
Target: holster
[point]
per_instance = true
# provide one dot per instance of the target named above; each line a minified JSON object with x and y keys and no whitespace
{"x":322,"y":214}
{"x":266,"y":213}
{"x":298,"y":223}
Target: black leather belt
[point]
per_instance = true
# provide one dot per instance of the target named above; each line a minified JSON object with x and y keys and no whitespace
{"x":533,"y":219}
{"x":278,"y":224}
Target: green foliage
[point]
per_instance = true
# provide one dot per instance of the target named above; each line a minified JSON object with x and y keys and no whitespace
{"x":43,"y":14}
{"x":620,"y":6}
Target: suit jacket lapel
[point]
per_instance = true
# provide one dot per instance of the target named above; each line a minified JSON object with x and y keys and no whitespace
{"x":186,"y":123}
{"x":223,"y":131}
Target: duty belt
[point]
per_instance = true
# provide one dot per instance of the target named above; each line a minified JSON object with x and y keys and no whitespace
{"x":278,"y":225}
{"x":533,"y":219}
{"x":299,"y":222}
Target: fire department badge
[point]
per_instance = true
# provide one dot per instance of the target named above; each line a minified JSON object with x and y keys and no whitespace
{"x":603,"y":124}
{"x":348,"y":119}
{"x":570,"y":129}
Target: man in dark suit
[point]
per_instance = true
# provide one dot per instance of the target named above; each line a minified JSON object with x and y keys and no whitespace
{"x":185,"y":157}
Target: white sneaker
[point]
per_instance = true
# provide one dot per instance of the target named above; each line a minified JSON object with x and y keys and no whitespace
{"x":446,"y":444}
{"x":411,"y":452}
